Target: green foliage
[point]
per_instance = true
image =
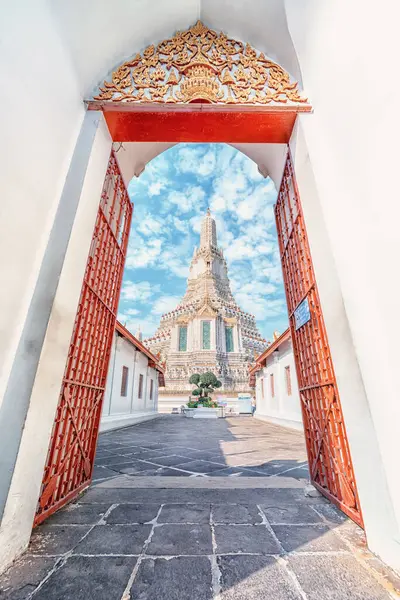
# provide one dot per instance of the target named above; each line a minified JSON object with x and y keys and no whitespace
{"x":208,"y":379}
{"x":206,"y":382}
{"x":206,"y":402}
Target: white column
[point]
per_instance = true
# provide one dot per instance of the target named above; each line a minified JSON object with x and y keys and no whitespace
{"x":213,"y":334}
{"x":24,"y":491}
{"x":371,"y":422}
{"x":235,"y":338}
{"x":132,"y":408}
{"x":175,"y":338}
{"x":146,"y":392}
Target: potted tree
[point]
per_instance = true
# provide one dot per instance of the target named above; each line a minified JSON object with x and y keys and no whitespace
{"x":204,"y":407}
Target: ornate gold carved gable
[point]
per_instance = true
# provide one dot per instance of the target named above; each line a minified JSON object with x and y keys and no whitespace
{"x":200,"y":65}
{"x":230,"y":320}
{"x":183,"y":320}
{"x":206,"y":311}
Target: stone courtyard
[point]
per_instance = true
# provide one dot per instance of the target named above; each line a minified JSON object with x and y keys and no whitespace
{"x":182,"y":508}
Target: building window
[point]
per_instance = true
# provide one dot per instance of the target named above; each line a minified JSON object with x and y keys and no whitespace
{"x":124,"y":381}
{"x":271,"y":380}
{"x":229,"y":339}
{"x":140,"y":394}
{"x":288,"y":381}
{"x":182,"y":339}
{"x":151,"y":389}
{"x":206,"y":335}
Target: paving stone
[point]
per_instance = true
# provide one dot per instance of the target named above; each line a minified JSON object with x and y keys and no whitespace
{"x":335,"y":578}
{"x":331,"y":513}
{"x":293,"y":514}
{"x":267,"y":497}
{"x":199,"y":466}
{"x":171,"y":472}
{"x":79,"y":514}
{"x":308,"y":538}
{"x":88,"y":578}
{"x":151,"y":470}
{"x":244,"y":472}
{"x":112,"y":460}
{"x":352,"y":533}
{"x":24,"y":576}
{"x":133,"y":465}
{"x":185,"y":513}
{"x":114,"y":539}
{"x":300,"y":473}
{"x":245,"y":538}
{"x":236,"y":513}
{"x":180,"y":539}
{"x":212,"y":457}
{"x":141,"y":454}
{"x":170,"y":460}
{"x":181,"y":578}
{"x":56,"y":539}
{"x":225,"y":472}
{"x":254,"y":578}
{"x":133,"y":513}
{"x":100,"y":472}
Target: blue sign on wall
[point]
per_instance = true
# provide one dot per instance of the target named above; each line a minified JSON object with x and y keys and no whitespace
{"x":302,"y":314}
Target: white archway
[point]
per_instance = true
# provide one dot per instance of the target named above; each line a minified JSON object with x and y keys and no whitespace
{"x":336,"y":152}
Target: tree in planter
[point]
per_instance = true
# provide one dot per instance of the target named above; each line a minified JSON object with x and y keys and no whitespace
{"x":205,"y":384}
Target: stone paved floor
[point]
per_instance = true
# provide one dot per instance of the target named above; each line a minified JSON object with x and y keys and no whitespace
{"x":185,"y":509}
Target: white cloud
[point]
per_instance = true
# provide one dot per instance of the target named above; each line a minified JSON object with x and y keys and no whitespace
{"x":196,"y":161}
{"x":177,"y":265}
{"x":180,"y":224}
{"x":150,"y":224}
{"x":165,"y":304}
{"x":155,"y":188}
{"x":143,"y":253}
{"x":190,"y":199}
{"x":148,"y":324}
{"x":259,"y":202}
{"x":139,"y":291}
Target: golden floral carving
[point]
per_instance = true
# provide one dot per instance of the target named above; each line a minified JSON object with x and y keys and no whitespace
{"x":200,"y":65}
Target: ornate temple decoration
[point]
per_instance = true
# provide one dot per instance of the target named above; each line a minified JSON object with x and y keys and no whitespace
{"x":200,"y":65}
{"x":207,"y":331}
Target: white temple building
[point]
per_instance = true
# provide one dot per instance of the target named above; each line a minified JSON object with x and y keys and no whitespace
{"x":275,"y":382}
{"x":134,"y":374}
{"x":208,"y":331}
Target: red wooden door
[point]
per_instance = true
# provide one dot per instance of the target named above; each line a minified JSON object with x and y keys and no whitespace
{"x":73,"y":441}
{"x":331,"y":469}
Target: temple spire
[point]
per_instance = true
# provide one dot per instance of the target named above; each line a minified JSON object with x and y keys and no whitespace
{"x":208,"y":236}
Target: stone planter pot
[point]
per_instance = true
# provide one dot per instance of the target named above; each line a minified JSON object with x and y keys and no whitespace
{"x":189,"y":412}
{"x":205,"y":413}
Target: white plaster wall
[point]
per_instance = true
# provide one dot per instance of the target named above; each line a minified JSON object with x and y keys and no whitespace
{"x":25,"y":488}
{"x":352,"y":145}
{"x":281,"y":409}
{"x":40,"y":117}
{"x":375,"y":498}
{"x":121,"y":411}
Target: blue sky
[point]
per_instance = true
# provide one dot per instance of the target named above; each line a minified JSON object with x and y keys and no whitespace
{"x":171,"y":197}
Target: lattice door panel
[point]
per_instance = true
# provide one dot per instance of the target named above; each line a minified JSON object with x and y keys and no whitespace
{"x":329,"y":458}
{"x":73,"y":441}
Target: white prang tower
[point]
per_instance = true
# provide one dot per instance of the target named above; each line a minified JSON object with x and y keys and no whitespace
{"x":207,"y":331}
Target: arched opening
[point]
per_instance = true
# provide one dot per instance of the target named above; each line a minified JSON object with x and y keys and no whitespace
{"x":252,"y":103}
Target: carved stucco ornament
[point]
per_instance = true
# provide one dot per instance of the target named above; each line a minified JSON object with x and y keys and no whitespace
{"x":200,"y":65}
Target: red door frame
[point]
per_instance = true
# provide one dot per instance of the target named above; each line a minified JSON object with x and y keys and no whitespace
{"x":70,"y":458}
{"x":190,"y":123}
{"x":329,"y":458}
